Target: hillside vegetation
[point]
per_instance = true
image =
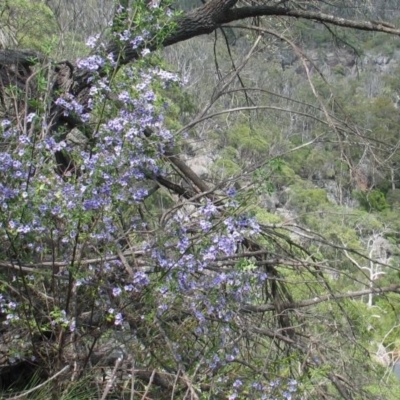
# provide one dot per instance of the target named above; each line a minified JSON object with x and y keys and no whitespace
{"x":213,"y":218}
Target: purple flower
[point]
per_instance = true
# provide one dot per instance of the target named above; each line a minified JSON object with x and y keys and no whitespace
{"x":24,"y":229}
{"x":237,"y":384}
{"x":150,"y":96}
{"x":140,"y":279}
{"x":226,"y":244}
{"x":53,"y":146}
{"x":124,"y":36}
{"x":91,"y":63}
{"x":111,"y":59}
{"x":5,"y":123}
{"x":140,"y":194}
{"x":128,"y":288}
{"x":209,"y":209}
{"x":205,"y":225}
{"x":136,"y":42}
{"x":183,"y":244}
{"x":56,"y":210}
{"x":91,"y":204}
{"x":231,"y":192}
{"x":199,"y":316}
{"x":145,"y":52}
{"x":258,"y":386}
{"x":124,"y":97}
{"x":275,"y":383}
{"x":292,"y":385}
{"x":118,"y":319}
{"x":12,"y":305}
{"x":30,"y":117}
{"x":220,"y":278}
{"x":92,"y":40}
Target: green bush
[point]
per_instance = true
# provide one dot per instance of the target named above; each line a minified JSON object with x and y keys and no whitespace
{"x":31,"y":21}
{"x":248,"y":141}
{"x":371,"y":201}
{"x":393,"y":198}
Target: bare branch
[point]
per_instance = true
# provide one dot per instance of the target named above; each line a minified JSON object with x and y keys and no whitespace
{"x":321,"y":299}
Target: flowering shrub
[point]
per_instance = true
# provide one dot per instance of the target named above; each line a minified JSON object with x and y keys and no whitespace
{"x":107,"y":258}
{"x":84,"y":234}
{"x":97,"y":261}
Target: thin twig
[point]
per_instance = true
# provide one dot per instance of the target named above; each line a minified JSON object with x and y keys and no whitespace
{"x":148,"y":386}
{"x":112,"y":379}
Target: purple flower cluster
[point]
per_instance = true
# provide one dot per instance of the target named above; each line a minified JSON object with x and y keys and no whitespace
{"x":91,"y":63}
{"x":40,"y":207}
{"x":60,"y":318}
{"x":115,"y":317}
{"x":10,"y":309}
{"x":278,"y":389}
{"x":68,"y":103}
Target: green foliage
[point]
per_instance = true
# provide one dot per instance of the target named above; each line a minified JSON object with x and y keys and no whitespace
{"x":380,"y":42}
{"x":266,"y":217}
{"x":248,"y":141}
{"x":388,"y":389}
{"x":393,"y":198}
{"x":307,"y":199}
{"x":181,"y":99}
{"x":135,"y":20}
{"x":284,"y":177}
{"x":339,"y":70}
{"x":313,"y":162}
{"x":269,"y":176}
{"x":226,"y":168}
{"x":373,"y":200}
{"x":31,"y":21}
{"x":312,"y":33}
{"x":392,"y":81}
{"x":73,"y":47}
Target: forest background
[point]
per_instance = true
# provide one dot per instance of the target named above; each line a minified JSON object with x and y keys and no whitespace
{"x":213,"y":218}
